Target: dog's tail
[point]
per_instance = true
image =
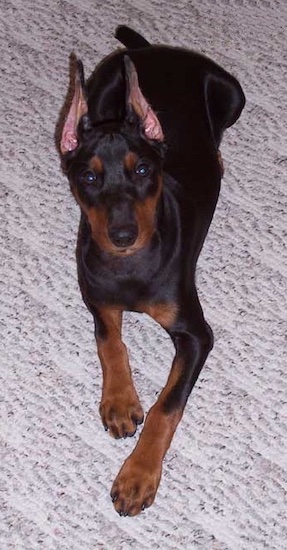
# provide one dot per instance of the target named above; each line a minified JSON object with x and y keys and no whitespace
{"x":130,"y":39}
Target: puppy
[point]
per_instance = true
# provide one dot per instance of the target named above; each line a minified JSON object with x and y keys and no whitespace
{"x":140,"y":147}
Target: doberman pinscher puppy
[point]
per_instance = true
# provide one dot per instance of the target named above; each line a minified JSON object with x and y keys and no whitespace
{"x":140,"y":147}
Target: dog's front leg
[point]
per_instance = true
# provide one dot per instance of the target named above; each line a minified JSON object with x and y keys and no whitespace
{"x":120,"y":408}
{"x":136,"y":484}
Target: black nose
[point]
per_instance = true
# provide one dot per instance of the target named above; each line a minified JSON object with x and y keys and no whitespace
{"x":124,"y":235}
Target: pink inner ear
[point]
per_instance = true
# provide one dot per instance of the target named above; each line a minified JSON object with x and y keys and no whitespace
{"x":69,"y":140}
{"x":152,"y":126}
{"x":150,"y":122}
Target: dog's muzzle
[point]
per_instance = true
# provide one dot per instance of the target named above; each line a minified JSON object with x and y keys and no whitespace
{"x":122,"y":224}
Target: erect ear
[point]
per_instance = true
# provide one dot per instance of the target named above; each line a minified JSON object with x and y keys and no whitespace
{"x":78,"y":108}
{"x":136,"y":103}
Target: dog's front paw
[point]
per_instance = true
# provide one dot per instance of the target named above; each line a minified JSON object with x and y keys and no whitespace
{"x":135,"y":487}
{"x":121,"y":414}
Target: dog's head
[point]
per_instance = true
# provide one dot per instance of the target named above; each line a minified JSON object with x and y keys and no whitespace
{"x":115,"y":168}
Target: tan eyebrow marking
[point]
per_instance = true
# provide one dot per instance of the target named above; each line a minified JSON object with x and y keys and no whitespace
{"x":130,"y":161}
{"x":96,"y":164}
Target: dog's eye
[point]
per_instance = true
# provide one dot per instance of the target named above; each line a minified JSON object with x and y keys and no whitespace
{"x":87,"y":177}
{"x":143,"y":169}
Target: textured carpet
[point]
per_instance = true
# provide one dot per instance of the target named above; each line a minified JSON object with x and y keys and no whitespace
{"x":224,"y":482}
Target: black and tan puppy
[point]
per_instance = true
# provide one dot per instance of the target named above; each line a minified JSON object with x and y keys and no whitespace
{"x":140,"y":146}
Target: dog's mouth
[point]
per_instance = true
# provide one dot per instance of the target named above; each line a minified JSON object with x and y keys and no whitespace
{"x":126,"y":251}
{"x":106,"y":245}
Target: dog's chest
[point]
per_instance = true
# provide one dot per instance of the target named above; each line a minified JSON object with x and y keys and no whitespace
{"x":128,"y":284}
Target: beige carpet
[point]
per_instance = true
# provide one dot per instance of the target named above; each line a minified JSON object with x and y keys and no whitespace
{"x":224,"y":482}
